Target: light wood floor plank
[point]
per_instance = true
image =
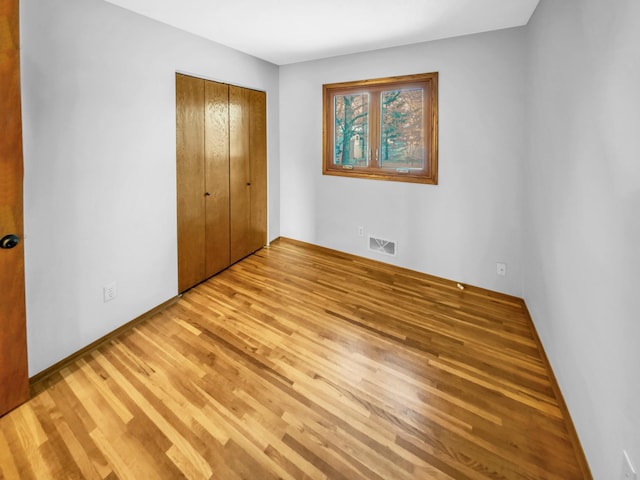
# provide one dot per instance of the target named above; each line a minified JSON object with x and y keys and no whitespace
{"x":304,"y":363}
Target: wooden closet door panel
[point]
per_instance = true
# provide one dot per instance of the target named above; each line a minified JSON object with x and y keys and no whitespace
{"x":258,"y":155}
{"x":217,"y":176}
{"x":239,"y":174}
{"x":190,"y":180}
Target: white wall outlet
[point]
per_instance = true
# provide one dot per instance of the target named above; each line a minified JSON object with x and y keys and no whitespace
{"x":628,"y":472}
{"x":361,"y":231}
{"x":501,"y":269}
{"x":109,"y":292}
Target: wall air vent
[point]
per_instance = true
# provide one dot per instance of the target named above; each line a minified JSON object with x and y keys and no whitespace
{"x":380,"y":245}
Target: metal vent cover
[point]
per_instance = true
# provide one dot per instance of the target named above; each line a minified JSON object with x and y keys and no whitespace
{"x":380,"y":245}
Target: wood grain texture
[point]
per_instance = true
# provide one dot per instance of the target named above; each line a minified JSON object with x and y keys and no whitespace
{"x":258,"y":167}
{"x":190,"y":174}
{"x":304,"y":363}
{"x":222,"y":176}
{"x":65,"y":362}
{"x":14,"y":385}
{"x":239,"y":173}
{"x":216,"y":176}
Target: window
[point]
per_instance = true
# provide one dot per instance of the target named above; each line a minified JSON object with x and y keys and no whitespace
{"x":385,"y":129}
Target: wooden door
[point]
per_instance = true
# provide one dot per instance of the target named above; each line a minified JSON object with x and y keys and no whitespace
{"x":14,"y":375}
{"x":221,"y":176}
{"x":258,"y":166}
{"x":190,"y":180}
{"x":239,"y":173}
{"x":216,"y":177}
{"x":248,"y":171}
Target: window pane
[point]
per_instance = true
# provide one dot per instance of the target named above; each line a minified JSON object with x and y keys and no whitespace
{"x":351,"y":129}
{"x":401,"y":129}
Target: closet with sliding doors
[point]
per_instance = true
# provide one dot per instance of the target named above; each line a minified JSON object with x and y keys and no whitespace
{"x":221,"y":163}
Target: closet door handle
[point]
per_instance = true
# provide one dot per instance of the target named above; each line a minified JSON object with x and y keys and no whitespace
{"x":207,"y":194}
{"x":248,"y":184}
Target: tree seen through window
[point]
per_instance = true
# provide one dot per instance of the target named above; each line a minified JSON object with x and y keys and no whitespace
{"x":385,"y":129}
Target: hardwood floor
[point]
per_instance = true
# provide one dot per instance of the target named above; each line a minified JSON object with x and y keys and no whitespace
{"x":304,"y":363}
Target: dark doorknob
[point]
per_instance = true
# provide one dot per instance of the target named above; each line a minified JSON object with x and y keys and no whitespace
{"x":9,"y":241}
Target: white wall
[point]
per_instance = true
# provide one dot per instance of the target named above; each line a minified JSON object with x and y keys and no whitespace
{"x":582,"y":255}
{"x":539,"y":168}
{"x":99,"y":131}
{"x":458,"y":229}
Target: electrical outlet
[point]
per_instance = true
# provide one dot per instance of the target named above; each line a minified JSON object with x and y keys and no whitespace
{"x":628,"y":472}
{"x":109,"y":292}
{"x":501,"y":269}
{"x":361,"y":231}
